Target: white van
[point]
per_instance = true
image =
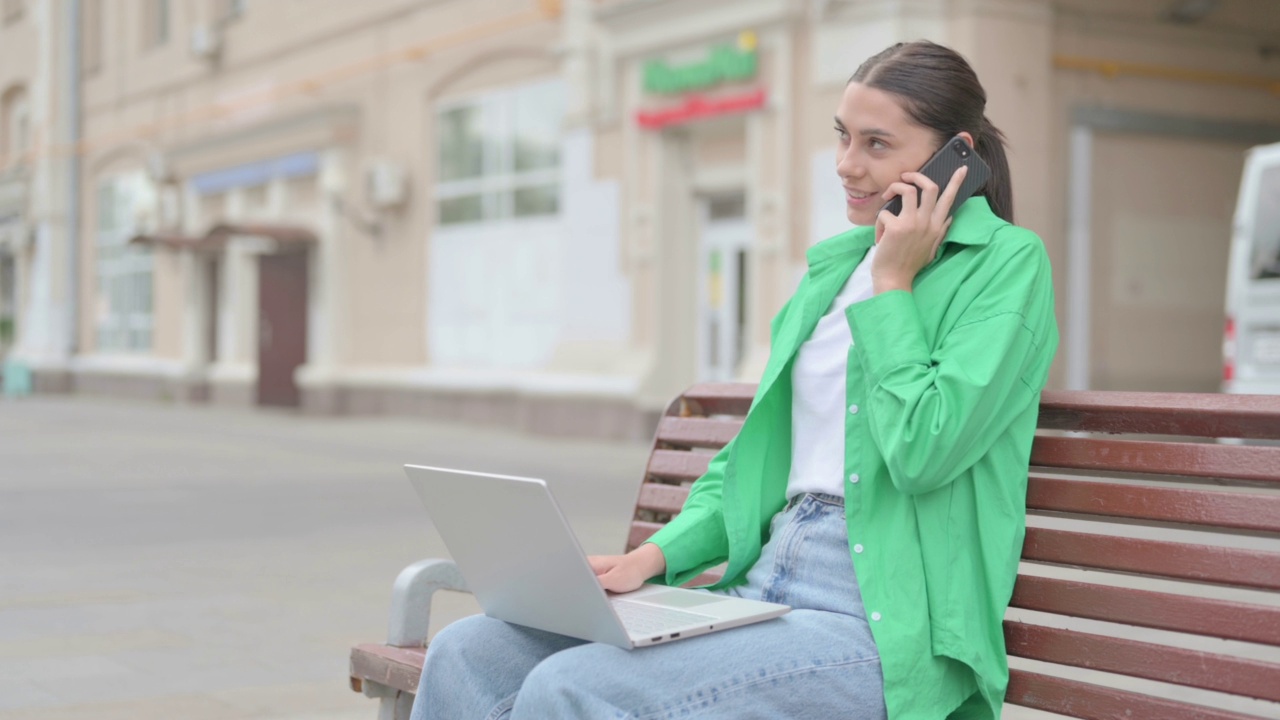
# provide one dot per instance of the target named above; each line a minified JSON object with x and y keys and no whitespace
{"x":1251,"y":341}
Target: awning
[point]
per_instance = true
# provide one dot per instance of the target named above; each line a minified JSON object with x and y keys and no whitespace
{"x":287,"y":234}
{"x":169,"y":240}
{"x":221,"y":233}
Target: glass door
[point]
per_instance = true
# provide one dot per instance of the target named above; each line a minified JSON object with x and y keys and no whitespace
{"x":726,"y":237}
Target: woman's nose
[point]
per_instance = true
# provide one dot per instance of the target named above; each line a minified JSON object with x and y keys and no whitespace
{"x":847,"y":165}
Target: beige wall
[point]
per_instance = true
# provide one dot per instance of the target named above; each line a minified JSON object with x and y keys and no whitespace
{"x":335,"y":55}
{"x":15,"y":90}
{"x":333,"y":77}
{"x":169,"y":305}
{"x":388,"y":313}
{"x":1020,"y":50}
{"x":1159,"y":260}
{"x":1011,"y":54}
{"x":19,"y":52}
{"x":668,"y":173}
{"x":1189,"y":355}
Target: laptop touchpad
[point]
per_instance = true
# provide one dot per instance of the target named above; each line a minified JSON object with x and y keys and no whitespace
{"x":682,"y":599}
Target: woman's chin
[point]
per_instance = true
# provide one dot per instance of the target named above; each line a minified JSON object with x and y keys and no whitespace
{"x":860,"y":217}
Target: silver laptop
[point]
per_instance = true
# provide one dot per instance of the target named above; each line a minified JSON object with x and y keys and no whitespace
{"x":518,"y":555}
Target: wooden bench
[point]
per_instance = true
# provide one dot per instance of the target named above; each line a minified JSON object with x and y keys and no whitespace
{"x":1150,"y":582}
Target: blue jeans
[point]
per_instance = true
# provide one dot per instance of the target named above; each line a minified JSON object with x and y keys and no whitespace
{"x":818,"y":661}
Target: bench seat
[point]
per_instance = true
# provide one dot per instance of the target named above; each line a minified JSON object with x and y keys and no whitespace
{"x":394,"y":667}
{"x":1150,"y":581}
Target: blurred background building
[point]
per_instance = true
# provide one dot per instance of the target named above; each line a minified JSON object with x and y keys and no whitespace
{"x":556,"y":215}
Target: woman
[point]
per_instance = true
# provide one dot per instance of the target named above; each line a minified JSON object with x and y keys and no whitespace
{"x":878,"y":483}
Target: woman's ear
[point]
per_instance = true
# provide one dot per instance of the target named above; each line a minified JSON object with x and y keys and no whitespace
{"x":967,"y":137}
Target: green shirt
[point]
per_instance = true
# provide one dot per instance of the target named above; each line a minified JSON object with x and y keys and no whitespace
{"x":947,"y":383}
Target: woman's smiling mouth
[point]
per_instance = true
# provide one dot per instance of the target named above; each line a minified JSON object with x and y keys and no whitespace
{"x":859,"y":198}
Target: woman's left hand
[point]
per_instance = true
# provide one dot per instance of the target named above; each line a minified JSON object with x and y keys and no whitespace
{"x":908,"y":241}
{"x":624,"y":573}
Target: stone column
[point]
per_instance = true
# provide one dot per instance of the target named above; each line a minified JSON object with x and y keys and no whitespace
{"x":1010,"y":45}
{"x":326,"y":308}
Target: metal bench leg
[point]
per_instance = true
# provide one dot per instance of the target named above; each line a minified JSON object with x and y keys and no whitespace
{"x":392,"y":704}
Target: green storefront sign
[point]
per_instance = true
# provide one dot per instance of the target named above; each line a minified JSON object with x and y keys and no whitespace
{"x":725,"y":63}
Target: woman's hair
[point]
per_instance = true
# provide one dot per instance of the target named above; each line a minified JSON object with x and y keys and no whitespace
{"x":940,"y":91}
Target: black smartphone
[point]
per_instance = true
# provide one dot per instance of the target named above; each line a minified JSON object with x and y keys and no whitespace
{"x":954,"y":153}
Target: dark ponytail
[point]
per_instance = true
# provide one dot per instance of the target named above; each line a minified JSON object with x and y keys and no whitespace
{"x":940,"y":91}
{"x":989,"y":145}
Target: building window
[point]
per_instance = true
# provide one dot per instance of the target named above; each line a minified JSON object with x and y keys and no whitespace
{"x":499,"y":155}
{"x":233,"y":9}
{"x":1265,"y":258}
{"x":156,"y":17}
{"x":90,"y":36}
{"x":15,"y":127}
{"x":124,"y":289}
{"x":8,"y":302}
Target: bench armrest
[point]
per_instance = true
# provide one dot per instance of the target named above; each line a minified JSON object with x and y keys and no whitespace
{"x":411,"y":599}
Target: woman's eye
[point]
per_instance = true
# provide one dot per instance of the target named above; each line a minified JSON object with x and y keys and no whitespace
{"x":842,"y":134}
{"x":876,"y":144}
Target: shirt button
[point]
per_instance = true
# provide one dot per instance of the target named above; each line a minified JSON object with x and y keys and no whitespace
{"x":854,"y":478}
{"x":853,"y":409}
{"x":875,"y":616}
{"x":858,"y":548}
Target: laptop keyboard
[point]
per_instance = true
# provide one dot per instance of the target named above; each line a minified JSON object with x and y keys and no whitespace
{"x":642,"y":619}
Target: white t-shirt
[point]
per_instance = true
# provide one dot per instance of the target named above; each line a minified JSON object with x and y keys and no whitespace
{"x":818,"y":393}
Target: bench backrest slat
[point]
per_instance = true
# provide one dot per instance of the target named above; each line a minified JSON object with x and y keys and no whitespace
{"x":1191,"y":414}
{"x":1185,"y":459}
{"x":641,"y":530}
{"x":676,"y":466}
{"x":667,"y":499}
{"x":1095,"y":502}
{"x":1224,"y":619}
{"x":708,"y":399}
{"x":1155,"y":558}
{"x":697,"y":432}
{"x":1086,"y":700}
{"x":1190,"y":506}
{"x":1193,"y":668}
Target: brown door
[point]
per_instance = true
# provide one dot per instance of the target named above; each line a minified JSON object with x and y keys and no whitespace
{"x":282,"y":326}
{"x":213,"y":270}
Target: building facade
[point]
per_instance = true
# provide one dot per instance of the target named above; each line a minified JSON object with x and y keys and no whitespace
{"x":556,"y":215}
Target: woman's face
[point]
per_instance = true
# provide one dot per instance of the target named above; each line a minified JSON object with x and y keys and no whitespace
{"x":876,"y":143}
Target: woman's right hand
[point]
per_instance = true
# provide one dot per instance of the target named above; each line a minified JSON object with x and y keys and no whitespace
{"x":624,"y":573}
{"x":908,"y":241}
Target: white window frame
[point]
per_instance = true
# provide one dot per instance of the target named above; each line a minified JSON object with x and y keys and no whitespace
{"x":498,"y":117}
{"x":157,"y":27}
{"x":15,"y":135}
{"x":126,"y":329}
{"x":234,"y":9}
{"x":91,"y":36}
{"x":20,"y":128}
{"x":8,"y":300}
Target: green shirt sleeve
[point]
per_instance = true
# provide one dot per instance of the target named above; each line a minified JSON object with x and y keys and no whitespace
{"x":934,"y":414}
{"x":696,"y":539}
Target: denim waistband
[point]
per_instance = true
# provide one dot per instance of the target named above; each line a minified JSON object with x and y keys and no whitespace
{"x":820,"y":497}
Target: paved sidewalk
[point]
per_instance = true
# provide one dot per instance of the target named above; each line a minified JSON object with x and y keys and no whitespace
{"x":164,"y":562}
{"x":208,"y":564}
